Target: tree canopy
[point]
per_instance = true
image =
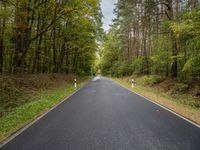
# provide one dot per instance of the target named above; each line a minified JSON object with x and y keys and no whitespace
{"x":153,"y":37}
{"x":44,"y":36}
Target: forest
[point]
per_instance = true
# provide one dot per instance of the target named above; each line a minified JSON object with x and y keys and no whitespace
{"x":49,"y":36}
{"x":64,"y":36}
{"x":153,"y":37}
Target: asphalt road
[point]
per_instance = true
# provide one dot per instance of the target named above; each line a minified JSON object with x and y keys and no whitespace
{"x":106,"y":116}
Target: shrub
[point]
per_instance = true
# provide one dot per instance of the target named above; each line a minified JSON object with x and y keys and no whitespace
{"x":153,"y":79}
{"x":120,"y":69}
{"x":192,"y":67}
{"x":179,"y":87}
{"x":137,"y":64}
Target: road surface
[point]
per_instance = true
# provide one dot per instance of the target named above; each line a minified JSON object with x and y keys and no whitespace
{"x":106,"y":116}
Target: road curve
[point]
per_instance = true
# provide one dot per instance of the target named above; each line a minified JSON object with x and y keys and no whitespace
{"x":106,"y":116}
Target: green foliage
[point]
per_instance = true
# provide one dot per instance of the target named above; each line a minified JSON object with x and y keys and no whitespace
{"x":120,"y":69}
{"x":161,"y":55}
{"x":192,"y":66}
{"x":179,"y":45}
{"x":152,"y":80}
{"x":109,"y":53}
{"x":179,"y":87}
{"x":188,"y":25}
{"x":137,"y":64}
{"x":49,"y":36}
{"x":187,"y":31}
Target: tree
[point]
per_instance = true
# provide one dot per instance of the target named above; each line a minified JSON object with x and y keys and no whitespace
{"x":47,"y":36}
{"x":154,"y":37}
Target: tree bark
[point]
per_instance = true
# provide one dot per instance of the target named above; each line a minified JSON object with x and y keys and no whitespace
{"x":17,"y":39}
{"x":54,"y":50}
{"x":174,"y":69}
{"x":2,"y":29}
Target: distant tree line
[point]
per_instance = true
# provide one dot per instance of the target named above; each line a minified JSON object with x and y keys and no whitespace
{"x":49,"y":36}
{"x":159,"y":37}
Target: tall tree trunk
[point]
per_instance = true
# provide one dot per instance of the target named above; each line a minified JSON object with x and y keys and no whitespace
{"x":62,"y":55}
{"x":170,"y":16}
{"x":177,"y":7}
{"x":54,"y":50}
{"x":39,"y":67}
{"x":17,"y":39}
{"x":75,"y":59}
{"x":2,"y":28}
{"x":45,"y":63}
{"x":146,"y":61}
{"x":174,"y":69}
{"x":29,"y":20}
{"x":67,"y":61}
{"x":38,"y":43}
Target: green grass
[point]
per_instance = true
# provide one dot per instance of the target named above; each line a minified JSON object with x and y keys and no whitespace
{"x":26,"y":113}
{"x":183,"y":104}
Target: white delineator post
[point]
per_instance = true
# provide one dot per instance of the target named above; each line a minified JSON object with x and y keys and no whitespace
{"x":75,"y":83}
{"x":132,"y":83}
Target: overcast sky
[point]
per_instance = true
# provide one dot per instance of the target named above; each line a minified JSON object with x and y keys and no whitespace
{"x":107,"y":9}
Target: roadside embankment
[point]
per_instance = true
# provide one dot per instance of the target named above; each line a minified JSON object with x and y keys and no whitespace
{"x":179,"y":97}
{"x":23,"y":98}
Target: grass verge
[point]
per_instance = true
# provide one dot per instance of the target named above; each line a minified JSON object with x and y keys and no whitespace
{"x":24,"y":114}
{"x":183,"y":105}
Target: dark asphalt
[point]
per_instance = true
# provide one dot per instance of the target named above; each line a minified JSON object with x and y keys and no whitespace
{"x":106,"y":116}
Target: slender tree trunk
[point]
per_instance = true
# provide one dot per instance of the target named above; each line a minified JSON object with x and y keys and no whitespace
{"x":39,"y":69}
{"x":2,"y":28}
{"x":37,"y":49}
{"x":174,"y":69}
{"x":17,"y":39}
{"x":54,"y":50}
{"x":26,"y":38}
{"x":67,"y":61}
{"x":75,"y":59}
{"x":45,"y":64}
{"x":167,"y":70}
{"x":62,"y":55}
{"x":177,"y":6}
{"x":146,"y":67}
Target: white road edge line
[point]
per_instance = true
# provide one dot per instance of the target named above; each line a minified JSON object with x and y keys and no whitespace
{"x":173,"y":112}
{"x":41,"y":116}
{"x":14,"y":135}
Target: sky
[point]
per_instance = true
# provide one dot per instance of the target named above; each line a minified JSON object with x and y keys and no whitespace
{"x":107,"y":7}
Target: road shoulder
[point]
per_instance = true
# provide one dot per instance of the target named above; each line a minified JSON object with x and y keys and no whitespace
{"x":11,"y":134}
{"x":189,"y":115}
